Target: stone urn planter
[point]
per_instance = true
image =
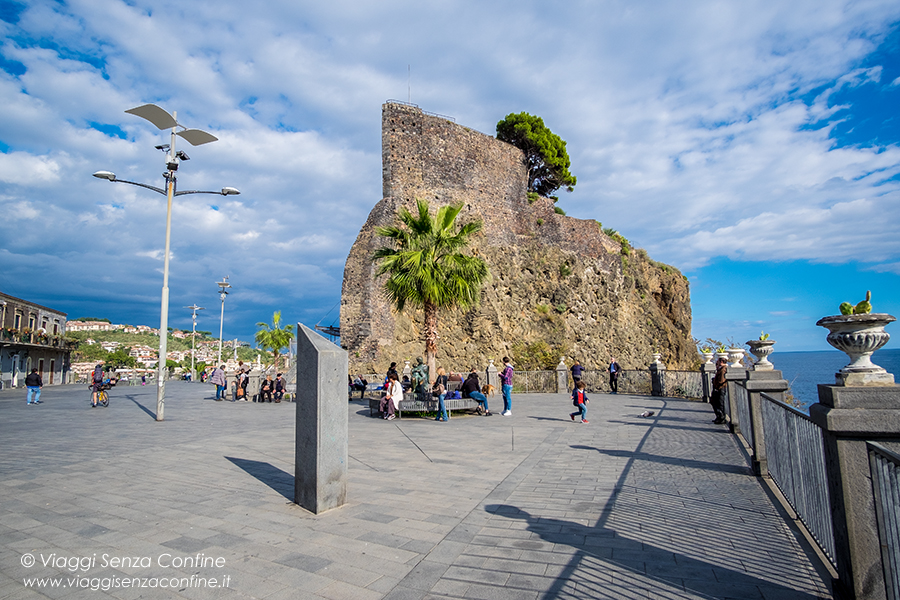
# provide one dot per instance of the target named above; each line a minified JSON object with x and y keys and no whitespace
{"x":736,"y":356}
{"x":706,"y":358}
{"x":761,"y":349}
{"x":721,"y":355}
{"x":859,"y":336}
{"x":656,"y":357}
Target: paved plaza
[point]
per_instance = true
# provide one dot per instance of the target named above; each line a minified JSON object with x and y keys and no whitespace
{"x":523,"y":507}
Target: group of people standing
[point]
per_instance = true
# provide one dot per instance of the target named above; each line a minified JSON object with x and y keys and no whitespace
{"x":270,"y":390}
{"x":613,"y":369}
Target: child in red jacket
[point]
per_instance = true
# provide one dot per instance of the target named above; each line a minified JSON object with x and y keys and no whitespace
{"x":580,"y":400}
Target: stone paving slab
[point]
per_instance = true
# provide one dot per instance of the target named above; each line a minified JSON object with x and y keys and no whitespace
{"x":528,"y":506}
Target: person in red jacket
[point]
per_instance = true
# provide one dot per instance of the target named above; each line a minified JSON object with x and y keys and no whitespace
{"x":580,"y":400}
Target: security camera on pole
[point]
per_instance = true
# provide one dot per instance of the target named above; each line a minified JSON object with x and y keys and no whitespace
{"x":196,"y":137}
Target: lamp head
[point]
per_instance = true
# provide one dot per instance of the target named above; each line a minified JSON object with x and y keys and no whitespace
{"x":230,"y":191}
{"x":105,"y":175}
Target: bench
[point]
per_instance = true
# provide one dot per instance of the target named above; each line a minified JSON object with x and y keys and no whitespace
{"x":424,"y":403}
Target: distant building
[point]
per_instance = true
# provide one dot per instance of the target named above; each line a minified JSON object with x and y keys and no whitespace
{"x":31,"y":337}
{"x":144,"y":355}
{"x":92,"y":326}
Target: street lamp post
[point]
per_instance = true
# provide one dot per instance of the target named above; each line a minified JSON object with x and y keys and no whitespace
{"x":196,"y":137}
{"x":194,"y":308}
{"x":223,"y":292}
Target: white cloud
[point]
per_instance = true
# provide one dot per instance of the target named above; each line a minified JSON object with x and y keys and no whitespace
{"x":690,"y":127}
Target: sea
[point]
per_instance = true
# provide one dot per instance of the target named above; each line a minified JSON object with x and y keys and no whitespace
{"x":805,"y":370}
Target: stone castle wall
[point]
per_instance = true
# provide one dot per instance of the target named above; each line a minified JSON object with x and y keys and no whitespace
{"x":553,"y":278}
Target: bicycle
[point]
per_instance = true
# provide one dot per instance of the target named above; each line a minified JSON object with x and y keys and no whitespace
{"x":102,"y":396}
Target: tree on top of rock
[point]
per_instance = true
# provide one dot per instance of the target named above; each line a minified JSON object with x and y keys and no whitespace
{"x":545,"y":152}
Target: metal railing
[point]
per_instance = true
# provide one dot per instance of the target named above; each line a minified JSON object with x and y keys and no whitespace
{"x":410,"y":104}
{"x":683,"y":384}
{"x":742,"y":411}
{"x":529,"y":382}
{"x":796,"y":463}
{"x":630,"y":382}
{"x":885,"y":468}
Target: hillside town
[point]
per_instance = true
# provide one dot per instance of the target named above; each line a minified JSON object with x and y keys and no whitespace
{"x":35,"y":336}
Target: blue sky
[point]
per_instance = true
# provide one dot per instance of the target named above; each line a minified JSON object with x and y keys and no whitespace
{"x":752,"y":145}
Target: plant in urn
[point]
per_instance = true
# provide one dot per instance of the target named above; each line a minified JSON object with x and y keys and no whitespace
{"x":858,"y":332}
{"x":761,"y":349}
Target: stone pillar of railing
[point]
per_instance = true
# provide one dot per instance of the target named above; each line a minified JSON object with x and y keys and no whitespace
{"x":562,"y":378}
{"x":657,"y":376}
{"x":255,"y":382}
{"x":848,"y":417}
{"x":320,"y":455}
{"x":774,"y":385}
{"x":863,"y":405}
{"x":491,"y":374}
{"x":734,"y":377}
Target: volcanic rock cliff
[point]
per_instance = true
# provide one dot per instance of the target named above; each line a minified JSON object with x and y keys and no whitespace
{"x":556,"y":282}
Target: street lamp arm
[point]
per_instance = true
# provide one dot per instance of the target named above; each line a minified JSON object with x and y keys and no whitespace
{"x":226,"y":191}
{"x":111,"y":177}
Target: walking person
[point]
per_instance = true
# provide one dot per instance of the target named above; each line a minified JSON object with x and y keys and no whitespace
{"x":719,"y":382}
{"x":33,"y":383}
{"x":244,"y":375}
{"x":577,"y":371}
{"x":614,"y":370}
{"x":97,"y":380}
{"x":506,"y":378}
{"x":580,"y":400}
{"x":218,"y":379}
{"x":440,"y":390}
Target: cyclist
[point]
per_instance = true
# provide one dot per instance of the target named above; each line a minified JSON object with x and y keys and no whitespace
{"x":97,"y":381}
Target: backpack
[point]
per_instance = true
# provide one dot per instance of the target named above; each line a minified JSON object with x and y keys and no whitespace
{"x":98,"y":376}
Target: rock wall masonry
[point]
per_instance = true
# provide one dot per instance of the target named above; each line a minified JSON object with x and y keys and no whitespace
{"x":553,"y":278}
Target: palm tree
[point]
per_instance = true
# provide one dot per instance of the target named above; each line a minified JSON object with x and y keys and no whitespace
{"x":275,"y":337}
{"x":426,"y":268}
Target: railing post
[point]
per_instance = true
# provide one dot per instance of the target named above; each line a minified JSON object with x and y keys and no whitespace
{"x":657,"y":377}
{"x":562,"y":378}
{"x":848,"y":417}
{"x":707,"y":372}
{"x":773,"y":384}
{"x":491,"y":374}
{"x":732,"y":377}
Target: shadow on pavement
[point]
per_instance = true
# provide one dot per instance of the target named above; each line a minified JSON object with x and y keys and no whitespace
{"x":275,"y":478}
{"x":596,"y":572}
{"x":141,"y":406}
{"x":672,"y":460}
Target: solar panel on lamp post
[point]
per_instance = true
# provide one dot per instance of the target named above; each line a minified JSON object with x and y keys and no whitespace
{"x":196,"y":137}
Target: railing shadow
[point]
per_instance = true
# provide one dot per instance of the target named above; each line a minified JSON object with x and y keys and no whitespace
{"x":272,"y":476}
{"x":600,"y":572}
{"x":672,"y":460}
